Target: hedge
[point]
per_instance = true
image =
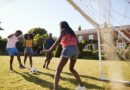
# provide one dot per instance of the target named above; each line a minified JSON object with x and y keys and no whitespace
{"x":58,"y":50}
{"x":3,"y":47}
{"x":88,"y":54}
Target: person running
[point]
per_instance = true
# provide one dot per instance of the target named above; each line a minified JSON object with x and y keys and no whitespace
{"x":46,"y":46}
{"x":12,"y":50}
{"x":28,"y":51}
{"x":70,"y":51}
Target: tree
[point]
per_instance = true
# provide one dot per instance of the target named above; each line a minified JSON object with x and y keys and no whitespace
{"x":39,"y":39}
{"x":0,"y":37}
{"x":40,"y":31}
{"x":40,"y":34}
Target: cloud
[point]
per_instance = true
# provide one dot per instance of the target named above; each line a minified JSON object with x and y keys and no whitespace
{"x":5,"y":2}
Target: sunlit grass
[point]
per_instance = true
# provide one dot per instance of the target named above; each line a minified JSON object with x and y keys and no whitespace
{"x":21,"y":79}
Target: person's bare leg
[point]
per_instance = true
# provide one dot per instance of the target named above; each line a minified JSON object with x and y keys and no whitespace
{"x":30,"y":58}
{"x":74,"y":72}
{"x":48,"y":62}
{"x":11,"y":62}
{"x":25,"y":58}
{"x":44,"y":65}
{"x":49,"y":59}
{"x":19,"y":60}
{"x":62,"y":63}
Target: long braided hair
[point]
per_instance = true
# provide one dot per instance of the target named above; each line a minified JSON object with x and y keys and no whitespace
{"x":65,"y":26}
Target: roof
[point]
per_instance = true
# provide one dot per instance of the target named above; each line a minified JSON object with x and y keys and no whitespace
{"x":92,"y":31}
{"x":89,"y":31}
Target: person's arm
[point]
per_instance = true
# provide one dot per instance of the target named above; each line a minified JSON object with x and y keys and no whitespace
{"x":44,"y":44}
{"x":24,"y":42}
{"x":53,"y":47}
{"x":10,"y":35}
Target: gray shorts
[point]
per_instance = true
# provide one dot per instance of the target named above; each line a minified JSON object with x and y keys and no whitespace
{"x":70,"y":52}
{"x":28,"y":51}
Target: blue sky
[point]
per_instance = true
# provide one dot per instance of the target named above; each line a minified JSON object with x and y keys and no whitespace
{"x":27,"y":14}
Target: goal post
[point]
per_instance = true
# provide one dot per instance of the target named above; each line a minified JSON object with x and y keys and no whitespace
{"x":97,"y":26}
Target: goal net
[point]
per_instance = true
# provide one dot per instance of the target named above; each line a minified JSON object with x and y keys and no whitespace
{"x":111,"y":22}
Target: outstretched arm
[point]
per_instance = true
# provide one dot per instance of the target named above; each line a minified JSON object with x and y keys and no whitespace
{"x":53,"y":47}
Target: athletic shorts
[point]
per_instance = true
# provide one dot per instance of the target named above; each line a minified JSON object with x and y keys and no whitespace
{"x":12,"y":51}
{"x":28,"y":51}
{"x":70,"y":52}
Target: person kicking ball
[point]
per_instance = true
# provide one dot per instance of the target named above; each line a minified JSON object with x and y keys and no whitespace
{"x":12,"y":50}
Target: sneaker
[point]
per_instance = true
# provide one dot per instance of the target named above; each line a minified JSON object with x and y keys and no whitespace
{"x":43,"y":66}
{"x":11,"y":68}
{"x":47,"y":67}
{"x":22,"y":67}
{"x":80,"y":88}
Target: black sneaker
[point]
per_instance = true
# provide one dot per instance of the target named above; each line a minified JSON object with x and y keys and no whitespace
{"x":22,"y":67}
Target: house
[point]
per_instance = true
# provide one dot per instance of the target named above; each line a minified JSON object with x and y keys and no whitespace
{"x":90,"y":35}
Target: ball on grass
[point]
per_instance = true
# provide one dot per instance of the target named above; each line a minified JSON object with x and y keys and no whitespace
{"x":33,"y":70}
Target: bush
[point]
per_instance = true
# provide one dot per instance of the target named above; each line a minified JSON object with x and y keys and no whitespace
{"x":81,"y":46}
{"x":3,"y":47}
{"x":58,"y":50}
{"x":88,"y":54}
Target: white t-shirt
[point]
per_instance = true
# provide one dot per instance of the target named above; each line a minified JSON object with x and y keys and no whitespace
{"x":11,"y":42}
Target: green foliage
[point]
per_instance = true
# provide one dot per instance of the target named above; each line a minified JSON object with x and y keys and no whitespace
{"x":3,"y":47}
{"x":58,"y":50}
{"x":81,"y":46}
{"x":40,"y":34}
{"x":40,"y":31}
{"x":39,"y":39}
{"x":0,"y":37}
{"x":95,"y":54}
{"x":88,"y":54}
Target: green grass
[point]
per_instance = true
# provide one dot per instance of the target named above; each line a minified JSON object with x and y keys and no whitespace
{"x":21,"y":79}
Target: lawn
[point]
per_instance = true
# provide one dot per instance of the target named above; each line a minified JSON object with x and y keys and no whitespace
{"x":21,"y":79}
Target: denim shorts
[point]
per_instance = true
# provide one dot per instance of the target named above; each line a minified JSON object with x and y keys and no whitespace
{"x":12,"y":51}
{"x":70,"y":52}
{"x":28,"y":51}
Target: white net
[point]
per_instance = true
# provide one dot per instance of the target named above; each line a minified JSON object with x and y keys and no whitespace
{"x":114,"y":44}
{"x":114,"y":12}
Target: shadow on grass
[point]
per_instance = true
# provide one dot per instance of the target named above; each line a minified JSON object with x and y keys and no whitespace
{"x":73,"y":81}
{"x":38,"y":81}
{"x":97,"y":79}
{"x":85,"y":76}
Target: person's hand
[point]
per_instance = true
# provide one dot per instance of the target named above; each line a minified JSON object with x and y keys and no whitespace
{"x":44,"y":51}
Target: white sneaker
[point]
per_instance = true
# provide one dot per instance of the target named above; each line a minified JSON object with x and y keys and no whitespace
{"x":80,"y":88}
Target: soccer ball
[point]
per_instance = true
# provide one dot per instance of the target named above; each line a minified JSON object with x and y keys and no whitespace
{"x":33,"y":70}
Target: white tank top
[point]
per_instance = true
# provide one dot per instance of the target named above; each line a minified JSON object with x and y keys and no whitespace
{"x":11,"y":42}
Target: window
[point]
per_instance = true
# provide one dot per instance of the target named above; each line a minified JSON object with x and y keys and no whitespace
{"x":120,"y":36}
{"x":90,"y":37}
{"x":121,"y":45}
{"x":80,"y":38}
